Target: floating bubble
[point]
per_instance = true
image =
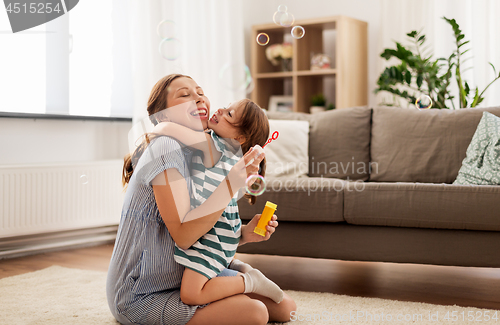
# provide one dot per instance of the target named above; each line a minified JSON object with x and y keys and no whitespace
{"x":423,"y":102}
{"x":170,"y":48}
{"x":262,"y":39}
{"x":284,"y":19}
{"x":236,"y":76}
{"x":250,"y":87}
{"x":255,"y":185}
{"x":282,"y":8}
{"x":298,"y":32}
{"x":84,"y":179}
{"x":166,"y":29}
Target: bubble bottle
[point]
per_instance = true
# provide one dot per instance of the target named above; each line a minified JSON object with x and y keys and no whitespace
{"x":265,"y":217}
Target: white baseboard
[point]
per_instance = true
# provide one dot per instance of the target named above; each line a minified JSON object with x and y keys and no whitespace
{"x":41,"y":243}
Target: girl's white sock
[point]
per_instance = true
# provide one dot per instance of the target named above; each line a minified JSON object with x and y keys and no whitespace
{"x":239,"y":266}
{"x":256,"y":282}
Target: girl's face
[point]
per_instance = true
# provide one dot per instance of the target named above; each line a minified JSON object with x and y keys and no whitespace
{"x":187,"y":104}
{"x":222,"y":122}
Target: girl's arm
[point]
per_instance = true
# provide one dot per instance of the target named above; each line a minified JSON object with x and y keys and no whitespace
{"x":186,"y":226}
{"x":191,"y":138}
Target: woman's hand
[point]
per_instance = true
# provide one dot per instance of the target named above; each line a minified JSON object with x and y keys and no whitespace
{"x":247,"y":234}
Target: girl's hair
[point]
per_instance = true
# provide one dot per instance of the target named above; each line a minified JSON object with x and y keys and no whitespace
{"x":254,"y":126}
{"x":157,"y":102}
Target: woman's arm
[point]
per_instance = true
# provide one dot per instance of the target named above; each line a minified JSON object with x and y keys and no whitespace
{"x":194,"y":139}
{"x":173,"y":201}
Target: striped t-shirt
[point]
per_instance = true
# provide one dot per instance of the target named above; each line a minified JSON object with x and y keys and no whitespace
{"x":213,"y":251}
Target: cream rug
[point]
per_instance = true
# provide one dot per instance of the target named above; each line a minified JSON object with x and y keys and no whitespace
{"x":58,"y":295}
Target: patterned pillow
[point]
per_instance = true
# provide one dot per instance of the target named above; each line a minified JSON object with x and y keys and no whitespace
{"x":481,"y":166}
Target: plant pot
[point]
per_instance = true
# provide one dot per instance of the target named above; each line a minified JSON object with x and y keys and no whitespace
{"x":316,"y":109}
{"x":286,"y":65}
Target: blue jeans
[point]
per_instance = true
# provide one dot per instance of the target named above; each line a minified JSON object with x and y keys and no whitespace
{"x":228,"y":272}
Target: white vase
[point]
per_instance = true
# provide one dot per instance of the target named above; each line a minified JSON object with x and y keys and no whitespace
{"x":316,"y":109}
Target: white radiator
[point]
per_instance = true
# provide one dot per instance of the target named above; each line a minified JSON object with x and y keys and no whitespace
{"x":59,"y":197}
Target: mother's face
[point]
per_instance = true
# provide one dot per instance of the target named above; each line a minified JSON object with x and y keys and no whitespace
{"x":187,"y":104}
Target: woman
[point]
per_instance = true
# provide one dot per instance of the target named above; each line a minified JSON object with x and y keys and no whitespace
{"x":143,"y":278}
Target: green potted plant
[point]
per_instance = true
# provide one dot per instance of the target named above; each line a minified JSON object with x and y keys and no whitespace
{"x":418,"y":74}
{"x":318,"y":103}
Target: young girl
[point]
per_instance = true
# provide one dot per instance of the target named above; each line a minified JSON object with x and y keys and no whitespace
{"x":241,"y":124}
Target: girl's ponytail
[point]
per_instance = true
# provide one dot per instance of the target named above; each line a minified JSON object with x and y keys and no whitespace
{"x":128,"y":169}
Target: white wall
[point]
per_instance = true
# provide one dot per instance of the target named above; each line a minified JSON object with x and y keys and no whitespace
{"x":33,"y":141}
{"x":262,"y":11}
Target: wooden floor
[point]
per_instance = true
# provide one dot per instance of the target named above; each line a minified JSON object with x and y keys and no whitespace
{"x":444,"y":285}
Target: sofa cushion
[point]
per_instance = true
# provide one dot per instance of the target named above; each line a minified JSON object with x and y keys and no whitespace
{"x":288,"y":152}
{"x":339,"y":142}
{"x":409,"y":145}
{"x":420,"y":205}
{"x":482,"y":164}
{"x":300,"y":199}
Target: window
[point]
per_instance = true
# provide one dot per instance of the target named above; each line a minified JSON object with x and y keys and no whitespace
{"x":77,"y":64}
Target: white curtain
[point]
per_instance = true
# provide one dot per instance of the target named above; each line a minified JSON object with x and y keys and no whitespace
{"x":210,"y":34}
{"x":478,"y":20}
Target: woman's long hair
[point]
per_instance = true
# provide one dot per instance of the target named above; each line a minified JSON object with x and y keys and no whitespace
{"x":157,"y":102}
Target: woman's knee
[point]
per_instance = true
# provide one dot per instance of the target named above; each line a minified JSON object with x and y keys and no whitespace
{"x":257,"y":312}
{"x":286,"y":307}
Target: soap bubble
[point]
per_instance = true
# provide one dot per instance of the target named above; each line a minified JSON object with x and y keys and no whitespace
{"x":262,"y":39}
{"x":170,"y":48}
{"x":84,"y":179}
{"x":282,"y":8}
{"x":236,"y":76}
{"x":255,"y":185}
{"x":423,"y":102}
{"x":298,"y":32}
{"x":166,"y":29}
{"x":284,"y":19}
{"x":250,"y":87}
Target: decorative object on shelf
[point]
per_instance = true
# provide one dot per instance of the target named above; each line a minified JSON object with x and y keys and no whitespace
{"x":418,"y":73}
{"x":320,"y":61}
{"x":281,"y":104}
{"x":330,"y":107}
{"x":286,"y":65}
{"x":318,"y":103}
{"x":280,"y":54}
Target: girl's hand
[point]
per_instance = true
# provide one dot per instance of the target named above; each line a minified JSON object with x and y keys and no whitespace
{"x":246,"y":166}
{"x":253,"y":157}
{"x":247,"y":234}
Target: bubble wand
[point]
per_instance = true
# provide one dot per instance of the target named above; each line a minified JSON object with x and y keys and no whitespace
{"x":259,"y":148}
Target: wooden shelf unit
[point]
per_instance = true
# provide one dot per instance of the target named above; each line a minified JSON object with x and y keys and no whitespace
{"x":343,"y":38}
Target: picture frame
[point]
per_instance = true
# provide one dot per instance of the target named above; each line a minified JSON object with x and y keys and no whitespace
{"x":281,"y":104}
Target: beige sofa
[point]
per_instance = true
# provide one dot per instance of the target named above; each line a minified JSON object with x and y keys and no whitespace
{"x":401,"y":207}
